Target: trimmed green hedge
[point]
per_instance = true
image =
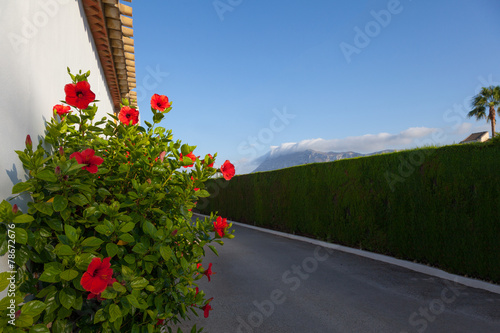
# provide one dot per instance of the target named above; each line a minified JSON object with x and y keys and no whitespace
{"x":439,"y":206}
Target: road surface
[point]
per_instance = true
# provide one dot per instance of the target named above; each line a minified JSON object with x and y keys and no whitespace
{"x":267,"y":283}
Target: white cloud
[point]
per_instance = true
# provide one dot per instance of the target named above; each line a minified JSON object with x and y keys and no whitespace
{"x":367,"y":143}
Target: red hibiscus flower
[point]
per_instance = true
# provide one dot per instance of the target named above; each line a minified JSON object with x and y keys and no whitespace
{"x":208,"y":272}
{"x":220,"y":226}
{"x":87,"y":157}
{"x":79,"y":95}
{"x":227,"y":170}
{"x":98,"y":276}
{"x":210,"y":158}
{"x":61,"y":110}
{"x":191,"y":156}
{"x":98,"y":296}
{"x":160,"y":102}
{"x":127,"y":115}
{"x":207,"y":307}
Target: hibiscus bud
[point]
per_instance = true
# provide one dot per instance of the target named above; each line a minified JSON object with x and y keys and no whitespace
{"x":18,"y":313}
{"x":15,"y":209}
{"x":174,"y":232}
{"x":29,"y":143}
{"x":162,"y":155}
{"x":65,"y":177}
{"x":61,"y":151}
{"x":57,"y":170}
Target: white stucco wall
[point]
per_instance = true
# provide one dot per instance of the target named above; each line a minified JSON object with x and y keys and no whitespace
{"x":39,"y":39}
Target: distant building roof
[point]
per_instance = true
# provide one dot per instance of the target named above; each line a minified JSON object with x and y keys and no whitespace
{"x":477,"y":137}
{"x":111,"y":26}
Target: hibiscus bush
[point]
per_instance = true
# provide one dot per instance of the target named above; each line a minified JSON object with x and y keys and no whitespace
{"x":108,"y":242}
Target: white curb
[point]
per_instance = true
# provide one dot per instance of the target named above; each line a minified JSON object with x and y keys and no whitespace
{"x":473,"y":283}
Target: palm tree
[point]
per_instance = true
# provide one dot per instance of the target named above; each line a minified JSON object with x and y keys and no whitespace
{"x":489,"y":97}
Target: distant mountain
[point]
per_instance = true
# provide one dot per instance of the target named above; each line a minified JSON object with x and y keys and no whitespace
{"x":273,"y":162}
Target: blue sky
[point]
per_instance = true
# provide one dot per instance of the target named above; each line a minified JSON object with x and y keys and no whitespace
{"x":250,"y":76}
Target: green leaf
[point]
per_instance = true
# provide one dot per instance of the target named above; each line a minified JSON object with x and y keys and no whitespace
{"x":166,"y":252}
{"x":127,"y":272}
{"x":127,"y":227}
{"x":50,"y":274}
{"x":129,"y":259}
{"x":47,"y":175}
{"x":140,"y":248}
{"x":149,"y":228}
{"x":92,"y":242}
{"x":102,"y":229}
{"x":74,"y":167}
{"x":78,"y":303}
{"x":158,"y":117}
{"x":21,"y":187}
{"x":55,"y":224}
{"x":63,"y":250}
{"x":202,"y":193}
{"x":52,"y":301}
{"x":61,"y":326}
{"x":83,"y":261}
{"x":79,"y":199}
{"x":114,"y":312}
{"x":44,"y":207}
{"x":119,"y":288}
{"x":65,"y":214}
{"x":99,"y":316}
{"x":64,"y":313}
{"x":24,"y":218}
{"x":5,"y":209}
{"x":111,"y":249}
{"x":22,"y":255}
{"x":45,"y":291}
{"x":103,"y":192}
{"x":135,"y":303}
{"x":60,"y":203}
{"x":39,"y":328}
{"x":69,"y":274}
{"x":24,"y":321}
{"x":33,"y":308}
{"x":118,"y":324}
{"x":108,"y":293}
{"x":128,"y":238}
{"x":214,"y":250}
{"x":3,"y":280}
{"x":67,"y":297}
{"x":71,"y":233}
{"x":139,"y":283}
{"x":21,"y":236}
{"x":184,"y":263}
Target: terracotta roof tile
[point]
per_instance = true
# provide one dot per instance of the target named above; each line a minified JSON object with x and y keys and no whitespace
{"x":111,"y":32}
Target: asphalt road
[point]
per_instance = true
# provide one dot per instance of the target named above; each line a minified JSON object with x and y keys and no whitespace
{"x":267,"y":283}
